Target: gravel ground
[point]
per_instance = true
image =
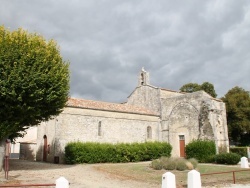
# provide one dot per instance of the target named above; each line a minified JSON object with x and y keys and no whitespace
{"x":79,"y":176}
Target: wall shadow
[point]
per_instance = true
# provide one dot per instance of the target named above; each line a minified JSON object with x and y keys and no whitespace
{"x":19,"y":164}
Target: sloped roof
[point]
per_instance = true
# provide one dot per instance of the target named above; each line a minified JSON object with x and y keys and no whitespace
{"x":106,"y":106}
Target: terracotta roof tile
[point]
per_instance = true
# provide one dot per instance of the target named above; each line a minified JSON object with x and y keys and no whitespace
{"x":105,"y":106}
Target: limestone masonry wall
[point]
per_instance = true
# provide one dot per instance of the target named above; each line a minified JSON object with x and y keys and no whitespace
{"x":146,"y":96}
{"x":75,"y":124}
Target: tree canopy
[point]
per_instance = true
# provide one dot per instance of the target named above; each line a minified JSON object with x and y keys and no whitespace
{"x":209,"y":88}
{"x":193,"y":87}
{"x":190,"y":87}
{"x":237,"y":102}
{"x":34,"y":80}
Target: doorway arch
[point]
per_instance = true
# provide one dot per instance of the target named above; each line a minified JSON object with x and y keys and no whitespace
{"x":45,"y":143}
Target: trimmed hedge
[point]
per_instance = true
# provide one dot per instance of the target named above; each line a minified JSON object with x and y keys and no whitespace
{"x":91,"y":152}
{"x":202,"y":150}
{"x":227,"y":158}
{"x":242,"y":151}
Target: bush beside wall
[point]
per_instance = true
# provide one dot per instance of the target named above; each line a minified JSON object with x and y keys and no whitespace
{"x":90,"y":152}
{"x":227,"y":158}
{"x":202,"y":150}
{"x":242,"y":151}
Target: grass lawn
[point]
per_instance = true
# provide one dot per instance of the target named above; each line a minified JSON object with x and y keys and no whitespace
{"x":143,"y":172}
{"x":240,"y":177}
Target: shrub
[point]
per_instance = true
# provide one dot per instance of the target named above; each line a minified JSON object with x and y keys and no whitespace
{"x":227,"y":158}
{"x":194,"y":162}
{"x":168,"y":163}
{"x":156,"y":164}
{"x":189,"y":165}
{"x":242,"y":151}
{"x":210,"y":159}
{"x":181,"y":164}
{"x":90,"y":152}
{"x":201,"y":150}
{"x":173,"y":164}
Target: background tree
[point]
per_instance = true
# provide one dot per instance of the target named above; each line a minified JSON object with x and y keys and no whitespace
{"x":193,"y":87}
{"x":209,"y":88}
{"x":34,"y":80}
{"x":237,"y":102}
{"x":190,"y":87}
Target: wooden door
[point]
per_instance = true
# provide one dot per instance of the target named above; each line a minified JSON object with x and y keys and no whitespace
{"x":182,"y":145}
{"x":45,"y":148}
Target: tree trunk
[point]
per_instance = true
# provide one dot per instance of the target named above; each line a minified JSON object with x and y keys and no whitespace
{"x":2,"y":153}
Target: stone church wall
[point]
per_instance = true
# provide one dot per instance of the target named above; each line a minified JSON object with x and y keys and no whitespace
{"x":168,"y":93}
{"x":217,"y":118}
{"x":146,"y":96}
{"x":194,"y":116}
{"x":49,"y":129}
{"x":75,"y":124}
{"x":188,"y":116}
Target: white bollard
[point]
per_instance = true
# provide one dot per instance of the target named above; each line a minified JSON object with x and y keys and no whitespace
{"x":244,"y":162}
{"x":168,"y":180}
{"x":62,"y":183}
{"x":194,"y":179}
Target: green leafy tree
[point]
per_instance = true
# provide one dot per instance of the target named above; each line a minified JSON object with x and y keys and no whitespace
{"x":190,"y":88}
{"x":209,"y":88}
{"x":193,"y":87}
{"x":34,"y":80}
{"x":237,"y":102}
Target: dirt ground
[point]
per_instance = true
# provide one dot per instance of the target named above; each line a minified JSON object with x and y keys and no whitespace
{"x":79,"y":176}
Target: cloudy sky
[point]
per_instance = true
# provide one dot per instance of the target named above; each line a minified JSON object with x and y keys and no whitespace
{"x":107,"y":42}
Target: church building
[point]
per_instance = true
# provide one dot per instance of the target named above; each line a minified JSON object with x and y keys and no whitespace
{"x":150,"y":114}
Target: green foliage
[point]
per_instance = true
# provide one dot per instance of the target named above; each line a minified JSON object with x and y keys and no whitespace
{"x":242,"y":151}
{"x":210,"y":159}
{"x":237,"y":102}
{"x":34,"y":80}
{"x":193,"y":87}
{"x":156,"y":164}
{"x":202,"y":150}
{"x":194,"y":162}
{"x":227,"y":158}
{"x":168,"y":163}
{"x":90,"y":152}
{"x":209,"y":88}
{"x":181,"y":164}
{"x":190,"y":87}
{"x":174,"y":164}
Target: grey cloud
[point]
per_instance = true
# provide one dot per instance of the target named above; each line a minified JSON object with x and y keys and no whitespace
{"x":107,"y":42}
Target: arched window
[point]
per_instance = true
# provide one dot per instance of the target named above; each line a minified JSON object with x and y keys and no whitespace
{"x":149,"y":132}
{"x":99,"y":128}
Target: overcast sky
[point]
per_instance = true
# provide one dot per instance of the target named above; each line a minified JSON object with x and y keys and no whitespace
{"x":107,"y":42}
